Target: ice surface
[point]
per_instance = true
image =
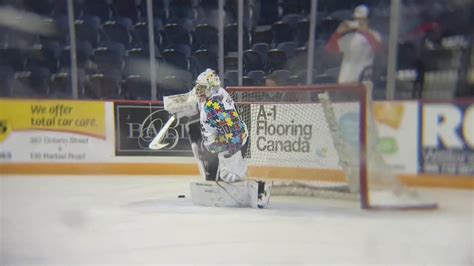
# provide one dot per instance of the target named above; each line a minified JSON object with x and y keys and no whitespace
{"x":136,"y":220}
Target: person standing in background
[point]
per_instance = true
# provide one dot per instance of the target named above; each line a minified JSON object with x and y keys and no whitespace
{"x":357,"y":42}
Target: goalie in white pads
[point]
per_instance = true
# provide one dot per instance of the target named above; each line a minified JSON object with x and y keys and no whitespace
{"x":225,"y":134}
{"x":217,"y":139}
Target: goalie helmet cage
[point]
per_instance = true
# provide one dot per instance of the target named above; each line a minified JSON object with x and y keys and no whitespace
{"x":320,"y":140}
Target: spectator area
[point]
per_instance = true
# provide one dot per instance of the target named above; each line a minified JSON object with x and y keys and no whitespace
{"x":113,"y":46}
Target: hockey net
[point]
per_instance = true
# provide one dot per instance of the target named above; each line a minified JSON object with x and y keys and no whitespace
{"x":319,"y":140}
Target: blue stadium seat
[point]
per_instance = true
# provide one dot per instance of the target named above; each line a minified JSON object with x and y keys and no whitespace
{"x":302,"y":32}
{"x":99,"y":8}
{"x":276,"y":59}
{"x":140,"y":33}
{"x":117,"y":32}
{"x":282,"y":32}
{"x":60,"y":30}
{"x":88,"y":29}
{"x":231,"y":38}
{"x":247,"y":81}
{"x":288,"y":47}
{"x":84,"y":54}
{"x":292,"y":19}
{"x":205,"y":59}
{"x":262,"y":35}
{"x":230,"y":63}
{"x":252,"y":60}
{"x":262,"y":48}
{"x":230,"y":78}
{"x":206,"y":36}
{"x":258,"y":77}
{"x":182,"y":48}
{"x":127,"y":8}
{"x":137,"y":87}
{"x":174,"y":84}
{"x":269,"y":13}
{"x":109,"y":56}
{"x":6,"y":81}
{"x":181,"y":9}
{"x":231,"y":14}
{"x":299,"y":59}
{"x":39,"y":81}
{"x":281,"y":76}
{"x":294,"y":6}
{"x":45,"y":55}
{"x":175,"y":58}
{"x":14,"y":58}
{"x":175,"y":34}
{"x":104,"y":86}
{"x":160,"y":9}
{"x":187,"y":23}
{"x":137,"y":61}
{"x":60,"y":85}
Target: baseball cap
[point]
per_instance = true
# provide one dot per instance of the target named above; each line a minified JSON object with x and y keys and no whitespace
{"x":361,"y":11}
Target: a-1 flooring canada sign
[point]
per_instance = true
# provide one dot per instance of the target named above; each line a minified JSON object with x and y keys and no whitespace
{"x":136,"y":124}
{"x":292,"y":135}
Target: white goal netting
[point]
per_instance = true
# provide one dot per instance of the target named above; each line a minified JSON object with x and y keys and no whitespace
{"x":319,"y":141}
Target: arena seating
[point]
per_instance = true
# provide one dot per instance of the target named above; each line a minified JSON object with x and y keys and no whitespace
{"x":113,"y":49}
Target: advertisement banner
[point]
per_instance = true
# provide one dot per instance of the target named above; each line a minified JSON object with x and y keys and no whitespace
{"x":299,"y":136}
{"x":136,"y":124}
{"x":447,"y":138}
{"x":397,"y":126}
{"x":296,"y":136}
{"x":51,"y":131}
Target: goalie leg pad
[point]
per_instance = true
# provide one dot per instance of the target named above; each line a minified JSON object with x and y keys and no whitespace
{"x":232,"y":168}
{"x":236,"y":194}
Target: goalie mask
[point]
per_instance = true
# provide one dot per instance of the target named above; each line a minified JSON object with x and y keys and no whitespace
{"x":206,"y":82}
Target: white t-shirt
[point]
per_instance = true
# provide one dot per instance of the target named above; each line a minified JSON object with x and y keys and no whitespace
{"x":358,"y":54}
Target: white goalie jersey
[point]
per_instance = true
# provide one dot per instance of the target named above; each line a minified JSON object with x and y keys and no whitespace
{"x":223,"y":132}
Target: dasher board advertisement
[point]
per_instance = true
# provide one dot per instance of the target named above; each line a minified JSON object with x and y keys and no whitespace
{"x":447,"y":138}
{"x":298,"y":135}
{"x":52,"y":131}
{"x":136,"y":124}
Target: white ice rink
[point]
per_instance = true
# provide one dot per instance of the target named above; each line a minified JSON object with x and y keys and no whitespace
{"x":140,"y":220}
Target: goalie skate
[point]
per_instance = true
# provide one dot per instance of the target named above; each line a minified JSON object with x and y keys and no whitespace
{"x":263,"y":191}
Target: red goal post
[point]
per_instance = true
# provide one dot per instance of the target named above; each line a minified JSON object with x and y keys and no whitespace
{"x":318,"y":140}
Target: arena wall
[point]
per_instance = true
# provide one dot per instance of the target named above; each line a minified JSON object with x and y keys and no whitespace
{"x":427,"y":143}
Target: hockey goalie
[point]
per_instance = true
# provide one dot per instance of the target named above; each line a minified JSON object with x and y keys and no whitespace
{"x":217,"y":138}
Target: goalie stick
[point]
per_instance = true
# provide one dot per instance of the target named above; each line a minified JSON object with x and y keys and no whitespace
{"x":179,"y":105}
{"x":157,"y":142}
